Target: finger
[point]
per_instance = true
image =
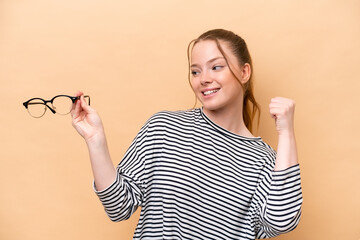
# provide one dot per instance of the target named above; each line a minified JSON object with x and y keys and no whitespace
{"x":79,"y":93}
{"x":280,"y":99}
{"x":82,"y":99}
{"x":76,"y":110}
{"x":273,"y":116}
{"x":84,"y":104}
{"x":276,"y":112}
{"x":277,"y":109}
{"x":277,"y":105}
{"x":286,"y":102}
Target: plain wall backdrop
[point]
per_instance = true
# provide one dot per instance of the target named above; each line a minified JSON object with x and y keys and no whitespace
{"x":130,"y":57}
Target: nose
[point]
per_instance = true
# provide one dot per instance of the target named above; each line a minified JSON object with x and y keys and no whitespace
{"x":205,"y":79}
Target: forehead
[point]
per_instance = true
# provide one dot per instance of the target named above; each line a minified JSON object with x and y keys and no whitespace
{"x":205,"y":50}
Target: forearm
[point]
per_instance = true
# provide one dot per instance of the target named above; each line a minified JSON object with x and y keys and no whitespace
{"x":286,"y":151}
{"x":103,"y":168}
{"x":281,"y":211}
{"x":88,"y":124}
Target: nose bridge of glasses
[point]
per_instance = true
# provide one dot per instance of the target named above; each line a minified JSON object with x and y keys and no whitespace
{"x":46,"y":104}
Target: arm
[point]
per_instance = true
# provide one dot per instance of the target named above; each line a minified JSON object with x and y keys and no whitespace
{"x":119,"y":190}
{"x":88,"y":124}
{"x":281,"y":210}
{"x":282,"y":110}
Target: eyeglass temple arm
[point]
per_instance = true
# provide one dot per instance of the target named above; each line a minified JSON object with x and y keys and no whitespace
{"x":85,"y":96}
{"x":52,"y":110}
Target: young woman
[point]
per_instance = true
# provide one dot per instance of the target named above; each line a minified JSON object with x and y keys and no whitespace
{"x":200,"y":173}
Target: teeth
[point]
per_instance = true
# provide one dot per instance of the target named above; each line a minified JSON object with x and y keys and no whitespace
{"x":210,"y":92}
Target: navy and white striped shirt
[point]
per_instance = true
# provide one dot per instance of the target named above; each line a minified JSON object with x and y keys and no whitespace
{"x":196,"y":180}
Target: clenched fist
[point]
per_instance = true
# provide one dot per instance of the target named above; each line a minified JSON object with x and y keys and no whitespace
{"x":282,"y":110}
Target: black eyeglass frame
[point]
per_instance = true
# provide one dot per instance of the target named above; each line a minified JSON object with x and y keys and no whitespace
{"x":73,"y":99}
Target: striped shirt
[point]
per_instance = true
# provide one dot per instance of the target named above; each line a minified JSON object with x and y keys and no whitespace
{"x":195,"y":180}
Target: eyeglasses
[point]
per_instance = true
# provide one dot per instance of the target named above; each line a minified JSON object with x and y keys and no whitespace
{"x":61,"y":104}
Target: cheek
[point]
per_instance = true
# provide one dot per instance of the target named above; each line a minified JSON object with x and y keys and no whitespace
{"x":234,"y":87}
{"x":238,"y":90}
{"x":194,"y":84}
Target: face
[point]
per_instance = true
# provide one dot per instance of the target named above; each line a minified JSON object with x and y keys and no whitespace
{"x":212,"y":81}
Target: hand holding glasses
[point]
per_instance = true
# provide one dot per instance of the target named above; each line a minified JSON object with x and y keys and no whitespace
{"x":61,"y":104}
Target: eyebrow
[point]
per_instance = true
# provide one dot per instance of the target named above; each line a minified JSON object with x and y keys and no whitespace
{"x":210,"y":61}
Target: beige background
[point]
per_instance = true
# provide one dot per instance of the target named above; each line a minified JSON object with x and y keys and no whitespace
{"x":130,"y":57}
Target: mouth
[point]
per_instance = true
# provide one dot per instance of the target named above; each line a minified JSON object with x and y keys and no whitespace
{"x":209,"y":92}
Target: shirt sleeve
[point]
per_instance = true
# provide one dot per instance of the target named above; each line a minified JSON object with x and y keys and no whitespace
{"x":281,"y":210}
{"x":122,"y":198}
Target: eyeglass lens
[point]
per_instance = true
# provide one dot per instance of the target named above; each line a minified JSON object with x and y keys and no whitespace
{"x":36,"y":108}
{"x":62,"y":105}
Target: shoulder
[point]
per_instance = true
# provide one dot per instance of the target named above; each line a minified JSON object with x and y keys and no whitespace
{"x":170,"y":121}
{"x":258,"y":150}
{"x":175,"y":117}
{"x":267,"y":152}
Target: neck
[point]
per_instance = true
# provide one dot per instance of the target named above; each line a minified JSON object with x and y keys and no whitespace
{"x":230,"y":119}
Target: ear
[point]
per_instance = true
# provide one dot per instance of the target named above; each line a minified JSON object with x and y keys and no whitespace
{"x":245,"y":73}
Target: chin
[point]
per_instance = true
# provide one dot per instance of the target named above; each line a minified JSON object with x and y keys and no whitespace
{"x":211,"y":107}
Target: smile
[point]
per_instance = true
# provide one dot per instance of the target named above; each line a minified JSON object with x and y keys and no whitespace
{"x":206,"y":93}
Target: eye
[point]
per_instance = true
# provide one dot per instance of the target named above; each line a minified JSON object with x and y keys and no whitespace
{"x":217,"y":67}
{"x":195,"y":73}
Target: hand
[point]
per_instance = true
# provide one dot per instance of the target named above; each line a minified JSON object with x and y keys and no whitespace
{"x":282,"y":110}
{"x":88,"y":124}
{"x":86,"y":120}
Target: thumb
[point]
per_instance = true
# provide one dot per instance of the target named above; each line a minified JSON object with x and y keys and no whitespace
{"x":85,"y":105}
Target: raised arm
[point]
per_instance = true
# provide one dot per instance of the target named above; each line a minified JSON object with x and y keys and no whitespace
{"x":280,"y":209}
{"x":282,"y":110}
{"x":88,"y":124}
